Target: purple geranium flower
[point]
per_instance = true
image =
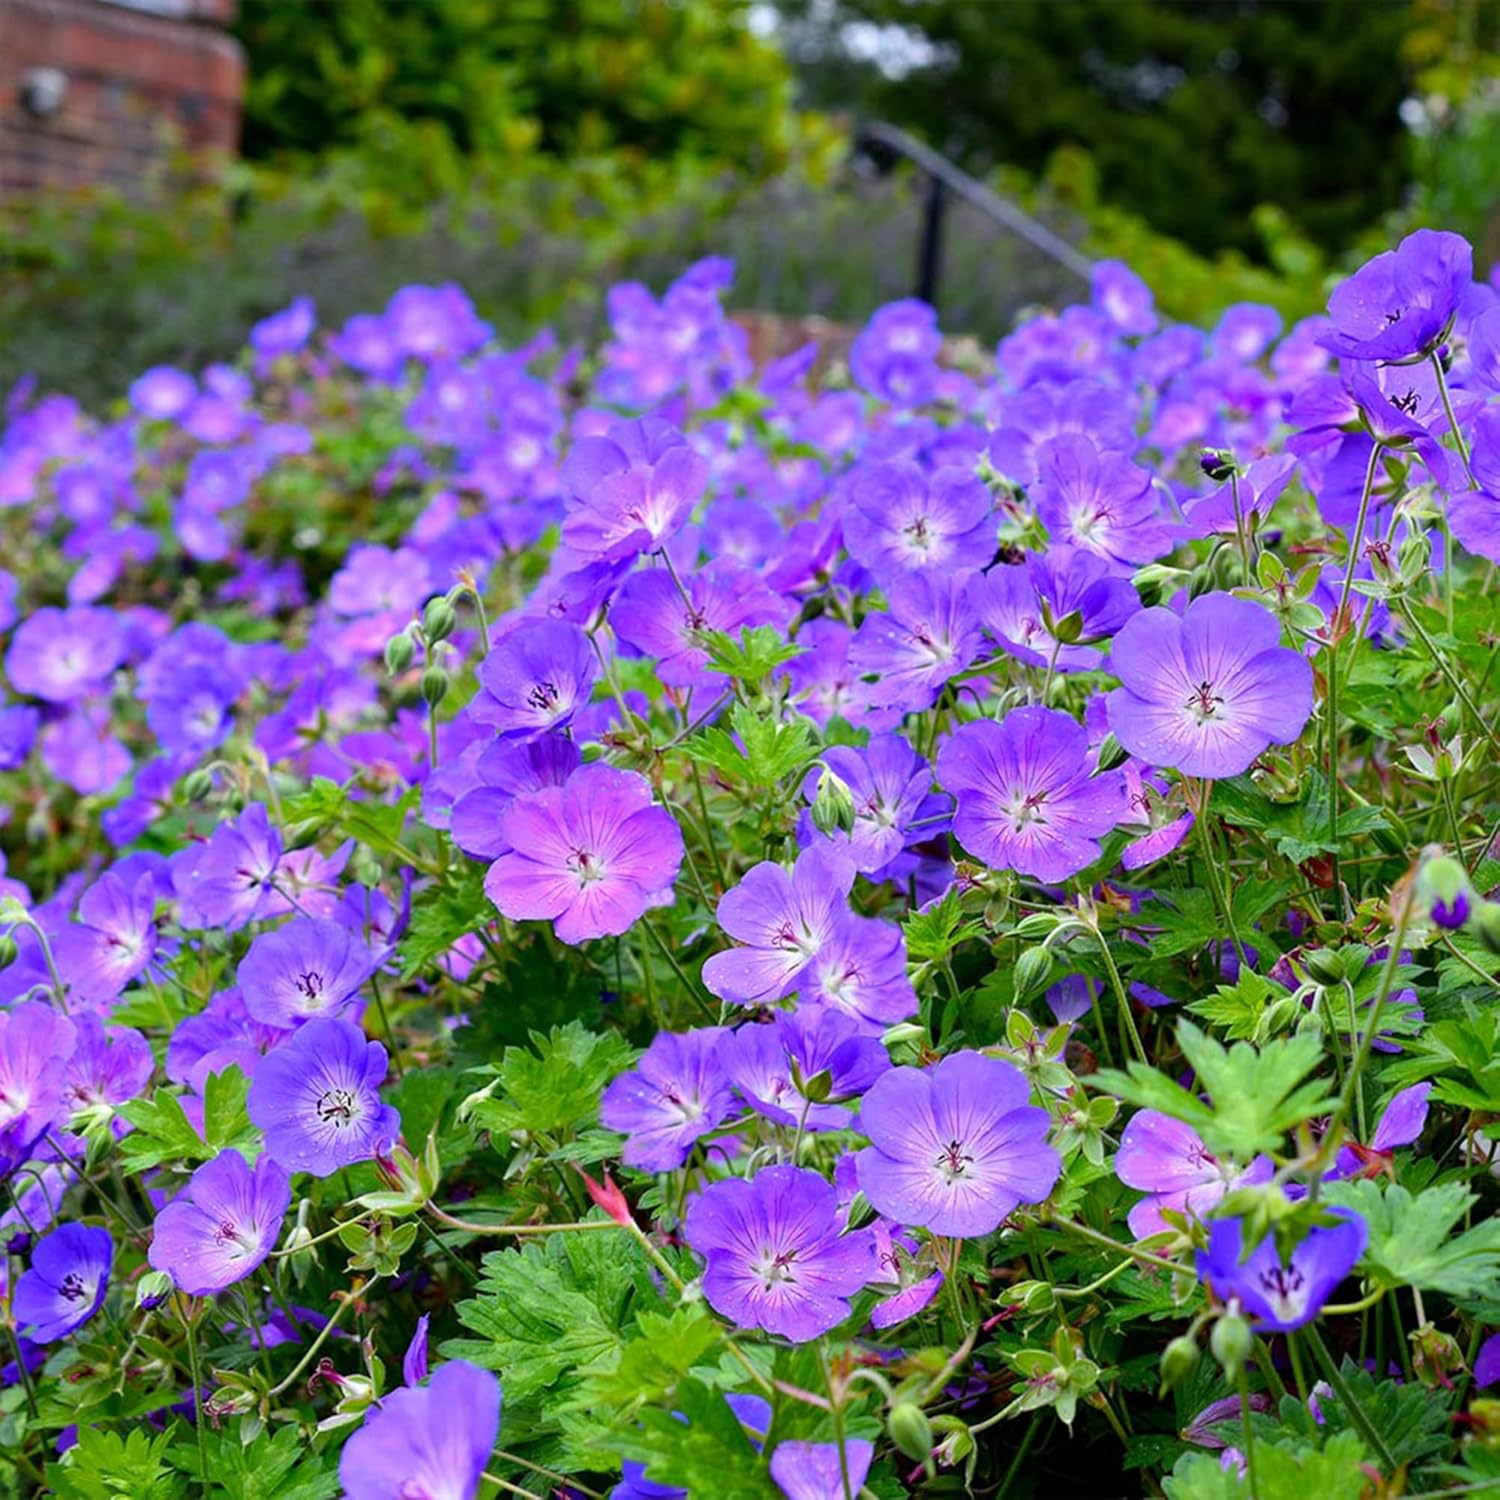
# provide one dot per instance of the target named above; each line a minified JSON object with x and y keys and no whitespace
{"x":65,"y":1284}
{"x":432,"y":1441}
{"x":926,"y":635}
{"x":35,"y":1045}
{"x":222,"y":1225}
{"x":1401,"y":1122}
{"x":891,"y":786}
{"x":591,"y":856}
{"x":630,"y":490}
{"x":310,"y":967}
{"x":821,"y":1471}
{"x":765,"y":1062}
{"x":895,"y":355}
{"x":113,"y":943}
{"x":900,"y":518}
{"x":1026,"y":798}
{"x":1206,"y":693}
{"x":65,"y":654}
{"x":1281,"y":1295}
{"x":536,"y":679}
{"x":1015,"y":605}
{"x":317,"y":1097}
{"x":1100,"y":502}
{"x":506,"y":770}
{"x":676,"y":1094}
{"x":109,"y":1065}
{"x":956,"y":1147}
{"x":1398,"y":305}
{"x":1123,"y":298}
{"x":1168,"y":1160}
{"x":860,"y":971}
{"x":784,"y":918}
{"x":775,"y":1257}
{"x":230,"y":880}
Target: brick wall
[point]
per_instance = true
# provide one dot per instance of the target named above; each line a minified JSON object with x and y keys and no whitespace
{"x":132,"y":82}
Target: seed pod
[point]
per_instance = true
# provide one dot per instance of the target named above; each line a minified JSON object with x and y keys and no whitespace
{"x":434,"y":686}
{"x":1033,"y":970}
{"x":1178,"y":1361}
{"x":1231,"y":1342}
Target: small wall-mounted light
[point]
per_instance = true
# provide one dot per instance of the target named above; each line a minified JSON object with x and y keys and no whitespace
{"x":43,"y":91}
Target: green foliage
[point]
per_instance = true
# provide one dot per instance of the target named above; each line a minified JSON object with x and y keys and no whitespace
{"x":441,"y":914}
{"x":1411,"y":1419}
{"x":500,"y":78}
{"x":1410,"y":1242}
{"x":708,"y":1454}
{"x":163,"y":1132}
{"x":108,"y":1465}
{"x":1256,"y":1096}
{"x":553,"y":1084}
{"x":271,"y":1467}
{"x":773,"y":748}
{"x":1285,"y":1470}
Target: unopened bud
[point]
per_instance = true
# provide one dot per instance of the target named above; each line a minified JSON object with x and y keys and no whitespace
{"x":1068,"y":630}
{"x":1231,"y":1342}
{"x":1435,"y":1356}
{"x":1325,"y":965}
{"x":439,"y":620}
{"x":910,"y":1431}
{"x":197,"y":785}
{"x":1486,"y":923}
{"x":434,"y":686}
{"x":9,"y":951}
{"x":1032,"y":972}
{"x":152,"y":1290}
{"x":1217,"y":464}
{"x":1178,"y":1361}
{"x":833,"y":807}
{"x":1111,"y":754}
{"x":399,"y":653}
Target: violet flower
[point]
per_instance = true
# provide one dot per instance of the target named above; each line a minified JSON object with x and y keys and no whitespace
{"x":65,"y":1284}
{"x":535,"y":680}
{"x":890,"y":786}
{"x":1278,"y":1295}
{"x":317,"y":1097}
{"x":765,"y":1062}
{"x":1027,"y":800}
{"x":592,"y":856}
{"x":1206,"y":693}
{"x":821,"y":1471}
{"x":426,"y":1441}
{"x":926,"y":636}
{"x":35,"y":1046}
{"x":784,"y":919}
{"x":309,"y":967}
{"x":954,"y":1148}
{"x":1168,"y":1161}
{"x":775,"y":1258}
{"x":900,"y":519}
{"x":222,"y":1225}
{"x":1398,"y":305}
{"x":1099,"y":502}
{"x":1401,"y":1123}
{"x":677,"y":1093}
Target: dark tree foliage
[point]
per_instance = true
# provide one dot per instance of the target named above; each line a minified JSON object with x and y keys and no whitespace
{"x":498,"y":78}
{"x":1195,"y":110}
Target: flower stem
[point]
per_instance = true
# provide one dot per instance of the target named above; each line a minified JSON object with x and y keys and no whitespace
{"x":1247,"y":1430}
{"x":345,"y":1304}
{"x":1210,"y":859}
{"x":1453,"y":427}
{"x":192,"y":1344}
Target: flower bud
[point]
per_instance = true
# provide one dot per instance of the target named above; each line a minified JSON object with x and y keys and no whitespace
{"x":152,"y":1290}
{"x":833,"y":807}
{"x":1217,"y":464}
{"x":197,"y":785}
{"x":439,"y":620}
{"x":1111,"y":754}
{"x":1033,"y":970}
{"x":911,"y":1432}
{"x":1444,"y":884}
{"x":1435,"y":1356}
{"x":1178,"y":1361}
{"x":1069,"y":629}
{"x":434,"y":685}
{"x":1231,"y":1342}
{"x":399,"y":651}
{"x":9,"y":951}
{"x":1325,"y":965}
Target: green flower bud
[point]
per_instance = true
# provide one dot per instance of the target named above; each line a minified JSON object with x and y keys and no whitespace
{"x":434,"y":686}
{"x":1178,"y":1361}
{"x":197,"y":785}
{"x":1325,"y":965}
{"x":1069,"y":629}
{"x":439,"y":620}
{"x":1486,"y":922}
{"x":153,"y":1288}
{"x":1231,"y":1342}
{"x":909,"y":1429}
{"x":833,"y":807}
{"x":9,"y":951}
{"x":399,"y":652}
{"x":1033,"y":970}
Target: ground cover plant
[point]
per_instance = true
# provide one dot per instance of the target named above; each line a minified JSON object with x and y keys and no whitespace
{"x":609,"y":921}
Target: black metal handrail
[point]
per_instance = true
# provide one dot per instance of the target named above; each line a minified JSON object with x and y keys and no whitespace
{"x":944,"y":177}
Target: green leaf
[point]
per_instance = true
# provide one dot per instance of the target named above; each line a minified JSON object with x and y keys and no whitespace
{"x":1241,"y":1009}
{"x":1286,"y":1470}
{"x":553,"y":1084}
{"x":162,"y":1133}
{"x":933,"y":934}
{"x":1256,"y":1096}
{"x":440,"y":915}
{"x":226,"y":1122}
{"x":707,"y":1454}
{"x":268,"y":1468}
{"x":751,"y":659}
{"x":106,"y":1465}
{"x":773,"y":748}
{"x":1411,"y":1419}
{"x":651,"y":1365}
{"x":1409,"y":1241}
{"x":1188,"y":920}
